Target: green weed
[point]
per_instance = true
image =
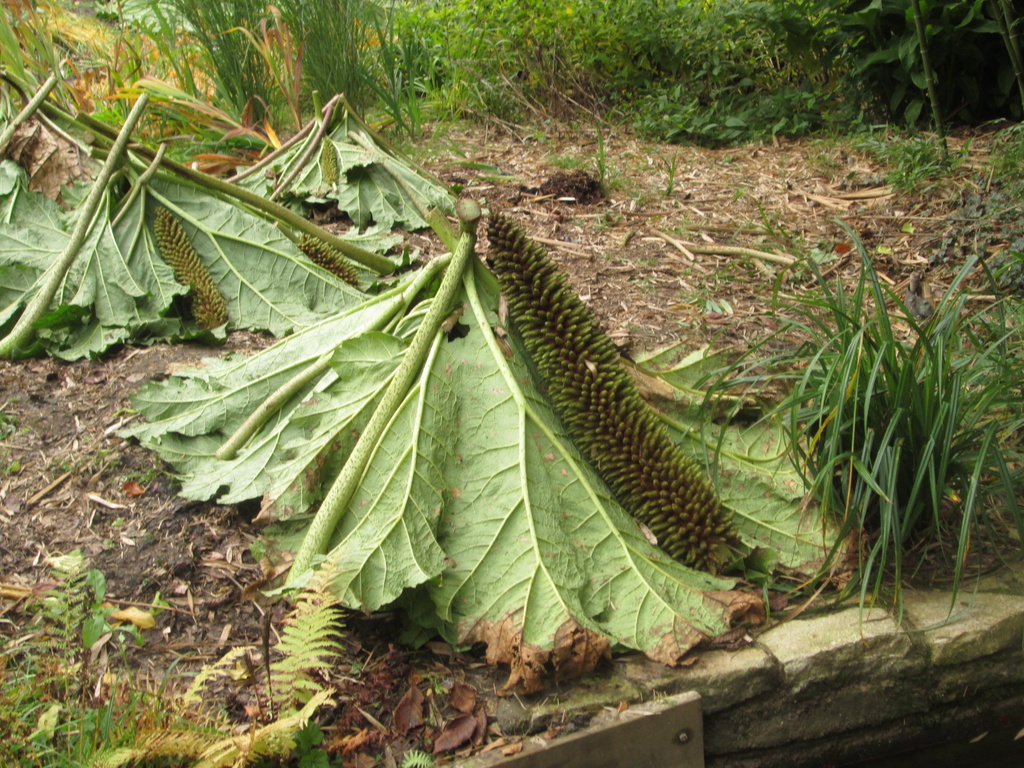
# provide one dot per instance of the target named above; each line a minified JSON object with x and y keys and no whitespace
{"x":1008,"y":155}
{"x":61,"y":706}
{"x":8,"y":423}
{"x":913,"y":162}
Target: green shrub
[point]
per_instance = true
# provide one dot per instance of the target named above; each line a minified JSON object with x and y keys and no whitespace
{"x":712,"y":72}
{"x":975,"y":78}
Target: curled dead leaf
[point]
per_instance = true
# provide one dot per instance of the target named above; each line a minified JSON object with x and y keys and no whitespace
{"x":575,"y":652}
{"x":462,"y":697}
{"x":52,"y":162}
{"x":132,"y":489}
{"x":140,"y":618}
{"x":742,"y":607}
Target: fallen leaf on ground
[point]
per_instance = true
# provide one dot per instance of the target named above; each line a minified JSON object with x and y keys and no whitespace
{"x":409,"y":712}
{"x":140,"y":618}
{"x":462,"y":697}
{"x":458,"y":732}
{"x":132,"y":489}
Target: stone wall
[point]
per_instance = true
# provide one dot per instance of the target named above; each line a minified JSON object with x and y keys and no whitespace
{"x":841,"y":687}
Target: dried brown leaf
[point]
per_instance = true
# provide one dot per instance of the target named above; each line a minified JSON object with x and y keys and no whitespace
{"x":743,"y":607}
{"x":480,"y":732}
{"x":462,"y":697}
{"x":409,"y":712}
{"x":575,"y":652}
{"x":49,"y":159}
{"x":457,"y":732}
{"x":132,"y":489}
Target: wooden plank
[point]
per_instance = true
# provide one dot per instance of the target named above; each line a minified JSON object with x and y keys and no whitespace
{"x":666,"y":733}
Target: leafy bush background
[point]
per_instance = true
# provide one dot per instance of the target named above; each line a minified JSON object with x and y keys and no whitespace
{"x":717,"y":72}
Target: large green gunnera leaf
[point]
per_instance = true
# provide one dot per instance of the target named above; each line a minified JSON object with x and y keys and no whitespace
{"x":473,"y":498}
{"x":343,"y":359}
{"x":370,"y":184}
{"x":120,"y":288}
{"x":752,"y":462}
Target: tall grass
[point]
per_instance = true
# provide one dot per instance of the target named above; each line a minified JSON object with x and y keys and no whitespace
{"x":267,"y":61}
{"x":341,"y":44}
{"x":237,"y":69}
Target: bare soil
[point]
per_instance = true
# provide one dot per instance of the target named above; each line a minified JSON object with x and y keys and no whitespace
{"x":639,"y":245}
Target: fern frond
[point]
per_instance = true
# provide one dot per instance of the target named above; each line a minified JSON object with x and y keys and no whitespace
{"x":273,"y":740}
{"x":417,"y":758}
{"x":170,"y":742}
{"x":218,"y":669}
{"x":309,"y":643}
{"x":65,"y":606}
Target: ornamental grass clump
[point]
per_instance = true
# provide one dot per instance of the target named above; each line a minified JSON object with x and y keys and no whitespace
{"x":907,"y":431}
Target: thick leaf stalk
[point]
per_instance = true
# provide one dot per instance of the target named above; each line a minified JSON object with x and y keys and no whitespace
{"x":600,"y":405}
{"x":929,"y":71}
{"x":28,"y":111}
{"x":268,"y":208}
{"x":329,"y":258}
{"x":208,"y":305}
{"x":21,"y":334}
{"x":335,"y":502}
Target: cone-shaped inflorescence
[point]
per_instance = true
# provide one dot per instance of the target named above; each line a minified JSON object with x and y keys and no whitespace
{"x":329,"y":258}
{"x":329,"y":170}
{"x":600,"y":405}
{"x":208,"y":305}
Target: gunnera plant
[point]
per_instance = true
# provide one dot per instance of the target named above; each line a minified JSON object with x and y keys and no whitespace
{"x":600,"y":406}
{"x":907,"y":431}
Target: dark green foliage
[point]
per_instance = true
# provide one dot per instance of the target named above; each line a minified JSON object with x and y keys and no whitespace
{"x":600,"y":405}
{"x":974,"y":74}
{"x":742,"y":70}
{"x":208,"y":305}
{"x":717,"y":72}
{"x":326,"y":257}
